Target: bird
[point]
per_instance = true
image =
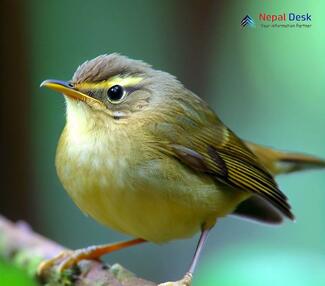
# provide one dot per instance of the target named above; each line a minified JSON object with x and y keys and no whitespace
{"x":145,"y":156}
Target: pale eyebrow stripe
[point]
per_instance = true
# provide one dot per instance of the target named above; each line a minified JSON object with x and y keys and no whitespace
{"x":123,"y":81}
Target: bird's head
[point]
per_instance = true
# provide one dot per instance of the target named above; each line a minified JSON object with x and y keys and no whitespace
{"x":115,"y":86}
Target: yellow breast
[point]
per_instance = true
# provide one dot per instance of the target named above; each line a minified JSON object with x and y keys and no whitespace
{"x":114,"y":176}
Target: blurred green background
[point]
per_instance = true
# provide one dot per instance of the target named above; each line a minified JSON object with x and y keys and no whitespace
{"x":266,"y":84}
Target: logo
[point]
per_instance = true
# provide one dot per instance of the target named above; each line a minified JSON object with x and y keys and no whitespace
{"x":281,"y":20}
{"x":247,"y":21}
{"x":284,"y":17}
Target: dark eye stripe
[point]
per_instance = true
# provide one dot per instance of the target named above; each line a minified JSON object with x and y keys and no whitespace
{"x":130,"y":89}
{"x":90,"y":93}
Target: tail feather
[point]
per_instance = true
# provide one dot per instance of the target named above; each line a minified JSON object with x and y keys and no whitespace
{"x":278,"y":162}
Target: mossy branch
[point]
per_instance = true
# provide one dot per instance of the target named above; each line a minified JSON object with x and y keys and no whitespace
{"x":26,"y":249}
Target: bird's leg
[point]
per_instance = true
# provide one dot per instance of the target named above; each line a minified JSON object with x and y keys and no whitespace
{"x":69,"y":258}
{"x":187,"y":279}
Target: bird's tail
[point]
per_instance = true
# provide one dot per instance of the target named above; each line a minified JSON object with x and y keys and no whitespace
{"x":278,"y":162}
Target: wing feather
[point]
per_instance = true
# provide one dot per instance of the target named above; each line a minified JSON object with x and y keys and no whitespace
{"x":197,"y":138}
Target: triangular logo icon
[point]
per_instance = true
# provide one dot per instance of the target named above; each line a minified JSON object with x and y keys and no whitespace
{"x":247,"y":21}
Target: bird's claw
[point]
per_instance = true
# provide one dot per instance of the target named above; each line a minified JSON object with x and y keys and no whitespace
{"x":186,"y":281}
{"x":62,"y":261}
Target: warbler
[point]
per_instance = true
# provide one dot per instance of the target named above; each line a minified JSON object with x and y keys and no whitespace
{"x":147,"y":157}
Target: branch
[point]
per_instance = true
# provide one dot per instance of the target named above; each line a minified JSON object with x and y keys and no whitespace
{"x":26,"y":249}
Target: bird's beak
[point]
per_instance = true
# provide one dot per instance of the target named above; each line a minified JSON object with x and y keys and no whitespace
{"x":67,"y":89}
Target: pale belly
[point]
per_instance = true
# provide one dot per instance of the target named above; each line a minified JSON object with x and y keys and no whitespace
{"x":146,"y":199}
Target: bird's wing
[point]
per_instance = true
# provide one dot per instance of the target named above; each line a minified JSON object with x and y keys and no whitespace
{"x":202,"y":142}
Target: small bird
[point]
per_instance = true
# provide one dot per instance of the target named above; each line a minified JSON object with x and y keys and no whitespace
{"x":147,"y":157}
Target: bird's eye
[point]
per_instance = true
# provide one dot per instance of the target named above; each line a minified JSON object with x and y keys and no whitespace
{"x":115,"y":93}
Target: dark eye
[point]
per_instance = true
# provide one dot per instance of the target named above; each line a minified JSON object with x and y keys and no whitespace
{"x":115,"y":93}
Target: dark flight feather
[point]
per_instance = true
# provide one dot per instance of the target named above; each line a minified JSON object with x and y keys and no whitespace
{"x":258,"y":209}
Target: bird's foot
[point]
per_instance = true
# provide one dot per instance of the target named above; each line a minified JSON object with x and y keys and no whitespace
{"x":66,"y":259}
{"x":69,"y":258}
{"x":186,"y":281}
